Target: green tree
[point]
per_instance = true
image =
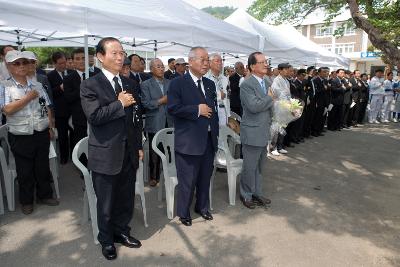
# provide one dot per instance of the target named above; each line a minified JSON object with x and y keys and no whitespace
{"x":221,"y":12}
{"x":378,"y":18}
{"x":44,"y":53}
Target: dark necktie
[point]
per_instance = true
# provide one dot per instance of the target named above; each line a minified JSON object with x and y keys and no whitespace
{"x":63,"y":75}
{"x":138,"y":77}
{"x":117,"y":87}
{"x":199,"y":87}
{"x":83,"y":76}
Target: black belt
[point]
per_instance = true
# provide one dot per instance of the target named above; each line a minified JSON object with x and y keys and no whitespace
{"x":221,"y":105}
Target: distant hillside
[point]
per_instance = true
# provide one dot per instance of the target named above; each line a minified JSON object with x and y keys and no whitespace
{"x":221,"y":12}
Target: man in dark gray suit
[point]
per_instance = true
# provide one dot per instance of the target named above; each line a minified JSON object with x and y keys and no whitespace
{"x":112,"y":107}
{"x":257,"y":107}
{"x":154,"y":100}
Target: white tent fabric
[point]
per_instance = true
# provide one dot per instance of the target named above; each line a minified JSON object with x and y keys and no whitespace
{"x":161,"y":20}
{"x":285,"y":46}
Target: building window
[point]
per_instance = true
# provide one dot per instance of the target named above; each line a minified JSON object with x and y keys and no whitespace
{"x":349,"y":30}
{"x":323,"y":31}
{"x":344,"y":48}
{"x":327,"y":46}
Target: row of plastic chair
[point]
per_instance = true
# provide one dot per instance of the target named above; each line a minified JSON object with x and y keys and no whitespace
{"x":89,"y":197}
{"x":9,"y":172}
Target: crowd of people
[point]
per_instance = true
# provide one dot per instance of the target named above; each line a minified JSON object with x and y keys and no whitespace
{"x":194,"y":97}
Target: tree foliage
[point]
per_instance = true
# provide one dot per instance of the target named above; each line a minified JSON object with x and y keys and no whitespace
{"x":221,"y":12}
{"x":44,"y":53}
{"x":378,"y":18}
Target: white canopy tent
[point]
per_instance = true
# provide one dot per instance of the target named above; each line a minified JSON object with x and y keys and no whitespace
{"x":282,"y":44}
{"x":160,"y":20}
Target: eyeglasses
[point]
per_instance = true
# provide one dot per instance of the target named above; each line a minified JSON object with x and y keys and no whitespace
{"x":262,"y":62}
{"x":19,"y":63}
{"x":159,"y":67}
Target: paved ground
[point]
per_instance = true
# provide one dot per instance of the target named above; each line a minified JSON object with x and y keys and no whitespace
{"x":335,"y":202}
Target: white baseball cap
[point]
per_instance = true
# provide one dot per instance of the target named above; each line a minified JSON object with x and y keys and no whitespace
{"x":13,"y":55}
{"x":29,"y":55}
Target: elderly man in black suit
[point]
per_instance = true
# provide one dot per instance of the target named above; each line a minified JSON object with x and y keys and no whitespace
{"x":234,"y":85}
{"x":112,"y":107}
{"x":192,"y":102}
{"x":154,"y":100}
{"x":62,"y":111}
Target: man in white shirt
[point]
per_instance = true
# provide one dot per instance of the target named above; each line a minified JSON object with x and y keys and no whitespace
{"x":221,"y":83}
{"x":377,"y":92}
{"x":280,"y":90}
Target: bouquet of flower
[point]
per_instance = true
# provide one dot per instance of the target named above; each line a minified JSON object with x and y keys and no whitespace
{"x":285,"y":111}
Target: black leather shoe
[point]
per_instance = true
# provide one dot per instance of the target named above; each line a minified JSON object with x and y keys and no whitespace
{"x":127,"y":241}
{"x":109,"y":252}
{"x":186,"y":221}
{"x":206,"y":215}
{"x":248,"y":203}
{"x":261,"y":201}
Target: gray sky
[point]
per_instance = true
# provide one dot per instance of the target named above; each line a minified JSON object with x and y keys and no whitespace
{"x":244,"y":4}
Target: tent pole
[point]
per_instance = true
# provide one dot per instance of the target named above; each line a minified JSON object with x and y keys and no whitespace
{"x":86,"y":56}
{"x":19,"y":41}
{"x":155,"y":48}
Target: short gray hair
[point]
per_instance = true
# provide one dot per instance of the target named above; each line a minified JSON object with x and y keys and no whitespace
{"x":193,"y":50}
{"x":214,"y":55}
{"x":153,"y":61}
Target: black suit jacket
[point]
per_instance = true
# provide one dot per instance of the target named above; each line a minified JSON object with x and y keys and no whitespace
{"x":60,"y":104}
{"x":143,"y":76}
{"x":112,"y":127}
{"x":168,"y":74}
{"x":364,"y":92}
{"x":96,"y":71}
{"x":356,"y":89}
{"x":347,"y":92}
{"x":72,"y":85}
{"x":235,"y":90}
{"x":320,"y":86}
{"x":297,"y":90}
{"x":337,"y":91}
{"x":191,"y":130}
{"x":46,"y":85}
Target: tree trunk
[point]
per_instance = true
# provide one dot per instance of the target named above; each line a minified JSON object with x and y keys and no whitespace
{"x":374,"y":35}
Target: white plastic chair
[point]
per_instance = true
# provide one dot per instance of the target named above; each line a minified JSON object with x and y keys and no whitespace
{"x":168,"y":176}
{"x":89,"y":197}
{"x":1,"y":191}
{"x":225,"y":160}
{"x":54,"y":168}
{"x":146,"y":158}
{"x":8,"y":167}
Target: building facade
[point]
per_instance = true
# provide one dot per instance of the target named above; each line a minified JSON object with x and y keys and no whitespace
{"x":353,"y":44}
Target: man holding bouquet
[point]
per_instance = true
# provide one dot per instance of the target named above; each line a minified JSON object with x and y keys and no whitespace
{"x":255,"y":130}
